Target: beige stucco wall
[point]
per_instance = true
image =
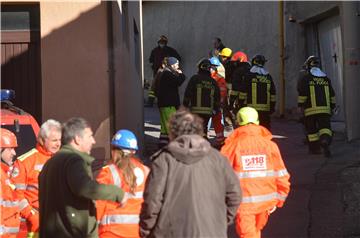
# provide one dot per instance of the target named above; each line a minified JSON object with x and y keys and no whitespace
{"x":74,"y":64}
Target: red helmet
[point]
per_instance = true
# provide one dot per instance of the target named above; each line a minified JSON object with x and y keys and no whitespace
{"x":239,"y":56}
{"x":8,"y":139}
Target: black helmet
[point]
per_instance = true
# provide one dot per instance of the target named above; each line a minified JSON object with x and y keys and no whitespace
{"x":204,"y":64}
{"x":163,"y":39}
{"x":258,"y":60}
{"x":312,"y":61}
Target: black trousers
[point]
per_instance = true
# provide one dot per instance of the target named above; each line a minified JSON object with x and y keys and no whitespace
{"x":264,"y":119}
{"x":318,"y":128}
{"x":206,"y":119}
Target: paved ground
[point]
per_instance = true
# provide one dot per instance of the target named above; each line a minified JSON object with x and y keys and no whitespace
{"x":324,"y":201}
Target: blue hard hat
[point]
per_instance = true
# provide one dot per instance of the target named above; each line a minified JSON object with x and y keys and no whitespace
{"x":125,"y":139}
{"x":215,"y":61}
{"x":7,"y":94}
{"x":172,"y":60}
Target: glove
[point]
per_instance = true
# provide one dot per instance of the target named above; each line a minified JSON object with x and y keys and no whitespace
{"x":33,"y":221}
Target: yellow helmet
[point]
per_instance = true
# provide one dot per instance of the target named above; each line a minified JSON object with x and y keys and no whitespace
{"x":247,"y":115}
{"x":226,"y":52}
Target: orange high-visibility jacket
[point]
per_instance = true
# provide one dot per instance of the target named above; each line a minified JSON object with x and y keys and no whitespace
{"x":257,"y":161}
{"x":9,"y":206}
{"x":25,"y":176}
{"x":116,"y":221}
{"x":221,"y":84}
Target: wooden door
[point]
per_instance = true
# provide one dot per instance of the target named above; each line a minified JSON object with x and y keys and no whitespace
{"x":20,"y":55}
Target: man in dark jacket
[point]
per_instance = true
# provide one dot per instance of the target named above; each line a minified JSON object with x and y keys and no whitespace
{"x":160,"y":52}
{"x":67,"y":188}
{"x":202,"y":94}
{"x":192,"y":190}
{"x":240,"y":69}
{"x":166,"y":91}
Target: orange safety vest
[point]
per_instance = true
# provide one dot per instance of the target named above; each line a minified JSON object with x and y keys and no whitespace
{"x":257,"y":161}
{"x":9,"y":206}
{"x":221,"y":84}
{"x":116,"y":221}
{"x":25,"y":175}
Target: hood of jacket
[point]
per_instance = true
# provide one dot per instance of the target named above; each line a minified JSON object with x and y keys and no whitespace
{"x":315,"y":71}
{"x":189,"y":149}
{"x":251,"y":130}
{"x":259,"y":70}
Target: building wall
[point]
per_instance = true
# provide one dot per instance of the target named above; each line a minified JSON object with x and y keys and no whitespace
{"x":128,"y":94}
{"x":191,"y":27}
{"x":90,"y":68}
{"x":74,"y":59}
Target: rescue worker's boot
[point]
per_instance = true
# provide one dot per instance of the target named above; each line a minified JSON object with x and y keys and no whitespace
{"x":325,"y":142}
{"x":314,"y":148}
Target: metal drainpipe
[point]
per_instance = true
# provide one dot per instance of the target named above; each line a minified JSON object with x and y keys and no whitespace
{"x":111,"y":70}
{"x":282,"y":59}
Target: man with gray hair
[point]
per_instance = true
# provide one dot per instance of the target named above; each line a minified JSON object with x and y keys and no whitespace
{"x":26,"y":171}
{"x":191,"y":190}
{"x":67,"y":188}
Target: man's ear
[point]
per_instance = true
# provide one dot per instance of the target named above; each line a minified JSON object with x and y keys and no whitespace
{"x":77,"y":139}
{"x":41,"y":141}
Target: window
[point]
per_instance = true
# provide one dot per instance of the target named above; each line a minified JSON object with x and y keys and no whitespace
{"x":19,"y":17}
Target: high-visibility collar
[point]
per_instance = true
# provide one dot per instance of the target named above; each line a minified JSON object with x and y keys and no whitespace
{"x":42,"y":150}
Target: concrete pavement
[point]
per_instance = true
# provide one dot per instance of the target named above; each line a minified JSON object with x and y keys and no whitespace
{"x":325,"y":192}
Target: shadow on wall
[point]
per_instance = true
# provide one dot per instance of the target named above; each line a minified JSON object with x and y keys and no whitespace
{"x":73,"y":74}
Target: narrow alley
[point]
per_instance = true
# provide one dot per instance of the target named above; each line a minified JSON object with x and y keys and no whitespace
{"x":324,"y":196}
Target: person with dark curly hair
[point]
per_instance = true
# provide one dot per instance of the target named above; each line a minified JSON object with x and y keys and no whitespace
{"x":191,"y":190}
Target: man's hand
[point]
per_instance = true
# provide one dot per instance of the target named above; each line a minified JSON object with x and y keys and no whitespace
{"x":125,"y":198}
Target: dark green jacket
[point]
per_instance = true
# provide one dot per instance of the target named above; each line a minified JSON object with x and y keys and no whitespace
{"x":66,"y":194}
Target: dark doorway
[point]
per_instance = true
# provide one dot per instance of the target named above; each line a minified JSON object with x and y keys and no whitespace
{"x":20,"y":55}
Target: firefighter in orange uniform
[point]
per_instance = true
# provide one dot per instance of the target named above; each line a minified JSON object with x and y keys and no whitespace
{"x":26,"y":171}
{"x":130,"y":174}
{"x":9,"y":206}
{"x":263,"y":177}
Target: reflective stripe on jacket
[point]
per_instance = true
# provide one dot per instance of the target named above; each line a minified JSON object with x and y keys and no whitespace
{"x":25,"y":176}
{"x":9,"y":206}
{"x":316,"y":95}
{"x":256,"y":160}
{"x":258,"y":92}
{"x":202,"y":94}
{"x":116,"y":221}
